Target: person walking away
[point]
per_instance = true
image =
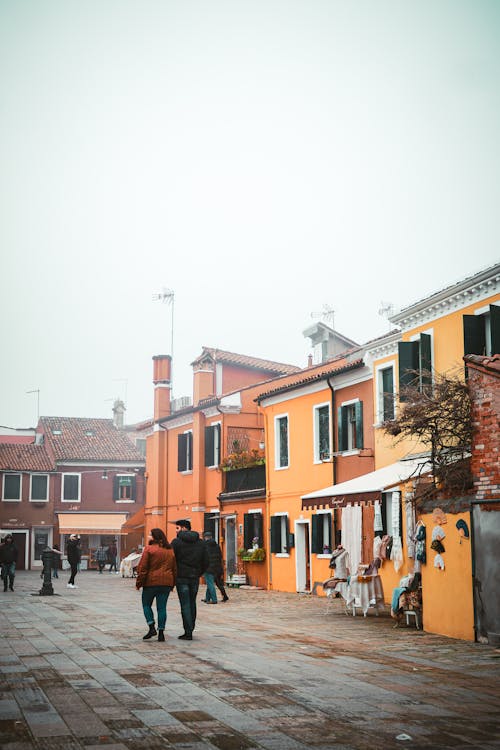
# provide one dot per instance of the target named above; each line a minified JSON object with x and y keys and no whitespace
{"x":192,"y":561}
{"x":156,"y":575}
{"x":112,"y":555}
{"x":74,"y":555}
{"x":8,"y":560}
{"x":213,"y":574}
{"x":56,"y":560}
{"x":101,"y":556}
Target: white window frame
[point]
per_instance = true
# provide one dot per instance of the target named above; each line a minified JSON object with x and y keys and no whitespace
{"x":283,"y":516}
{"x":126,"y":499}
{"x":277,"y":464}
{"x":13,"y":499}
{"x":71,"y":474}
{"x":317,"y":457}
{"x":217,"y":444}
{"x":325,"y":513}
{"x":379,"y":397}
{"x":351,"y":451}
{"x":38,"y":499}
{"x":188,"y":454}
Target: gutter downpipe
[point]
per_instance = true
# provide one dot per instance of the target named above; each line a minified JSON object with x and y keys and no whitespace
{"x":268,"y":504}
{"x":334,"y":458}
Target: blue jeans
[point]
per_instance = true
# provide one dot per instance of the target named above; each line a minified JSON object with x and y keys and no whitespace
{"x":8,"y":573}
{"x":161,"y":594}
{"x":187,"y":593}
{"x":211,"y":595}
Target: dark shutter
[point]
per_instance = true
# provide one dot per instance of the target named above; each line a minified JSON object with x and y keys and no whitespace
{"x":189,"y":446}
{"x":383,"y":511}
{"x":287,"y":533}
{"x":328,"y":539}
{"x":182,"y":442}
{"x":133,"y":488}
{"x":425,"y":361}
{"x":342,"y":428}
{"x":259,"y":531}
{"x":495,"y":329}
{"x":408,"y":353}
{"x":317,"y":534}
{"x":217,"y":431}
{"x":209,"y":446}
{"x":474,"y":335}
{"x":276,"y":534}
{"x":247,"y":531}
{"x":358,"y":411}
{"x":116,"y":488}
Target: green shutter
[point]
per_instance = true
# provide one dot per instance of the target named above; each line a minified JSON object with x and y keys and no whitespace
{"x":474,"y":338}
{"x":189,"y":456}
{"x":342,"y":428}
{"x":182,"y":452}
{"x":408,"y":354}
{"x":247,"y":531}
{"x":495,"y":329}
{"x":209,"y":446}
{"x":358,"y":410}
{"x":217,"y":431}
{"x":425,"y":361}
{"x":276,"y":534}
{"x":317,"y":534}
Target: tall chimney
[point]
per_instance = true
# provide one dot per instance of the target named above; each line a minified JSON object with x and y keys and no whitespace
{"x":118,"y":413}
{"x":309,"y":360}
{"x":162,"y":367}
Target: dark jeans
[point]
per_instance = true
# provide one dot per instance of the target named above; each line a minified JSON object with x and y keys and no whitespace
{"x":219,"y":582}
{"x":74,"y":571}
{"x":161,"y":594}
{"x":211,"y":594}
{"x":187,"y":593}
{"x":112,"y":565}
{"x":8,"y":574}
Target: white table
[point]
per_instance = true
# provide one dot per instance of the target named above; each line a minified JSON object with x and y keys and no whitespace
{"x":364,"y":592}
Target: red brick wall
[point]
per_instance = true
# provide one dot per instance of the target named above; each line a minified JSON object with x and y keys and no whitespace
{"x":485,"y":392}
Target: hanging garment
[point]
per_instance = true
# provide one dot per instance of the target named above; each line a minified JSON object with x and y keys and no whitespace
{"x":410,"y":527}
{"x":397,"y":547}
{"x":377,"y":543}
{"x":439,"y":562}
{"x":437,"y":533}
{"x":351,"y":534}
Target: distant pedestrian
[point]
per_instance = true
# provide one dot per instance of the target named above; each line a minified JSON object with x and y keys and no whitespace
{"x":112,"y":555}
{"x":213,"y":574}
{"x":101,"y":556}
{"x":192,"y":561}
{"x":56,"y":560}
{"x":156,"y":575}
{"x":8,"y":560}
{"x":74,"y":555}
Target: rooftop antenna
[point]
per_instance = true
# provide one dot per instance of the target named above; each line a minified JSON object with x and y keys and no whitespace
{"x":386,"y":310}
{"x":122,"y":380}
{"x":37,"y":391}
{"x":327,"y":314}
{"x":166,"y":296}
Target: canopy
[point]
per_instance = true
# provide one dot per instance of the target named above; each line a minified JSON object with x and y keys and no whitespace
{"x":91,"y":523}
{"x":135,"y":522}
{"x":367,"y":486}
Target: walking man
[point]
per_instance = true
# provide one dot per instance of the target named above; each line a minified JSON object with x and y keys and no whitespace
{"x":101,"y":556}
{"x":192,"y":560}
{"x":112,"y":555}
{"x":213,"y":574}
{"x":74,"y":555}
{"x":8,"y":559}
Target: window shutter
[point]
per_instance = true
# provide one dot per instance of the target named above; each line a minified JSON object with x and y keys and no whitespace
{"x":474,"y":337}
{"x":133,"y":489}
{"x":209,"y":446}
{"x":317,"y":534}
{"x":328,"y":540}
{"x":408,"y":353}
{"x":259,"y":528}
{"x":189,"y":457}
{"x":495,"y":328}
{"x":287,"y":533}
{"x":247,"y":540}
{"x":358,"y":410}
{"x":276,"y":534}
{"x":182,"y":452}
{"x":383,"y":510}
{"x":425,"y":361}
{"x":217,"y":431}
{"x":342,"y":428}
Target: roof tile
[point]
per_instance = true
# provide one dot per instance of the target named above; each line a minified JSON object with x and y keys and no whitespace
{"x":22,"y":457}
{"x":81,"y":439}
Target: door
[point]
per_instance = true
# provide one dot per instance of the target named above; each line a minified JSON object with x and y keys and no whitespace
{"x":231,"y":551}
{"x":302,"y":556}
{"x":20,"y":540}
{"x":486,"y":571}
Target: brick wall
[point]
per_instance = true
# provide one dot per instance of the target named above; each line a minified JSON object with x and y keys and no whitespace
{"x":484,"y":386}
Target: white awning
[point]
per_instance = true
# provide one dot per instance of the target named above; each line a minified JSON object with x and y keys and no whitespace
{"x":91,"y":523}
{"x":370,"y":484}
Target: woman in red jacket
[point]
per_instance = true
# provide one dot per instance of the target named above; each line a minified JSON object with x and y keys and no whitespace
{"x":156,"y":574}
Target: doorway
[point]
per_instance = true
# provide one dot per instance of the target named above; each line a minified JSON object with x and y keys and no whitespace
{"x":231,"y":542}
{"x":302,"y":556}
{"x":21,"y":541}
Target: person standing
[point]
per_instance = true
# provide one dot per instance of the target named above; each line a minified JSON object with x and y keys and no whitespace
{"x":56,"y":560}
{"x":74,"y":555}
{"x":101,"y":556}
{"x":192,"y":561}
{"x":112,"y":555}
{"x":156,"y":575}
{"x":8,"y":559}
{"x":213,"y":574}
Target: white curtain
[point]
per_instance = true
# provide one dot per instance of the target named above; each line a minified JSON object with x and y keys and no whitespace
{"x":351,"y":534}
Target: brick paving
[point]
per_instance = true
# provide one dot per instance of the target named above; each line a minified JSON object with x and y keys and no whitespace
{"x":265,"y":670}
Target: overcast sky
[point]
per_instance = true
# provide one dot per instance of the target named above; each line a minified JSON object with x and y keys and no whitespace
{"x":261,"y":158}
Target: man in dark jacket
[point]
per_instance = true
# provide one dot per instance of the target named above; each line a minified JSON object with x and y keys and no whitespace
{"x":213,"y":574}
{"x":8,"y":559}
{"x":74,"y":555}
{"x":192,"y":560}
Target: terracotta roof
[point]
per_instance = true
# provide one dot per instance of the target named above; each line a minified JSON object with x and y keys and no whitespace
{"x":81,"y":439}
{"x":254,"y":363}
{"x":22,"y":457}
{"x":312,"y":378}
{"x":492,"y":364}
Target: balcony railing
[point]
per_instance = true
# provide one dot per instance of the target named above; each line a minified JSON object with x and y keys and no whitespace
{"x":242,"y":480}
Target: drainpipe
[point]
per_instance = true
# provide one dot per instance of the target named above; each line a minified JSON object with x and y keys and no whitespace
{"x":334,"y":458}
{"x":268,"y":517}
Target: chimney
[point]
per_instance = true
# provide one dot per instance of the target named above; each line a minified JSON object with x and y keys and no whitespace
{"x":118,"y":413}
{"x":203,"y":380}
{"x":309,"y":360}
{"x":162,"y":367}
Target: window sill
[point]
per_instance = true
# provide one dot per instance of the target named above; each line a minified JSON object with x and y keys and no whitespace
{"x":124,"y":502}
{"x":352,"y":452}
{"x":324,"y":556}
{"x":281,"y":468}
{"x":282,"y":554}
{"x":186,"y":473}
{"x":8,"y":500}
{"x":71,"y":501}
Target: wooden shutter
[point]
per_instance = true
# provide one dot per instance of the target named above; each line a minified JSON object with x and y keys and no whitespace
{"x":189,"y":447}
{"x":276,"y":534}
{"x":133,"y":488}
{"x":474,"y":334}
{"x":495,"y":328}
{"x":182,"y":442}
{"x":358,"y":411}
{"x":247,"y":531}
{"x":342,"y":428}
{"x":408,"y":354}
{"x":425,"y":361}
{"x":209,"y":446}
{"x":317,"y":534}
{"x":116,"y":488}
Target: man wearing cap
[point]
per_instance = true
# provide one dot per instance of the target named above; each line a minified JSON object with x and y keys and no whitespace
{"x":192,"y":560}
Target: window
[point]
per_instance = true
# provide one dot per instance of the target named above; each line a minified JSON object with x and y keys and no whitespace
{"x":41,"y":541}
{"x":321,"y":542}
{"x":70,"y":488}
{"x":280,"y":534}
{"x":322,"y":432}
{"x":252,"y":529}
{"x":212,"y":445}
{"x":140,"y":444}
{"x":39,"y":489}
{"x":482,"y":332}
{"x":12,"y":487}
{"x":385,"y":393}
{"x":185,"y":451}
{"x":124,"y":488}
{"x":281,"y":441}
{"x":350,"y":426}
{"x":415,"y":364}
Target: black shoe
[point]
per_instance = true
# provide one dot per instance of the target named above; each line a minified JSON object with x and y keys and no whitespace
{"x":11,"y":587}
{"x":225,"y":598}
{"x":161,"y":635}
{"x":150,"y":633}
{"x":185,"y":637}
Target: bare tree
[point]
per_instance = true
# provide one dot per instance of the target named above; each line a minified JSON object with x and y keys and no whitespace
{"x":439,"y":416}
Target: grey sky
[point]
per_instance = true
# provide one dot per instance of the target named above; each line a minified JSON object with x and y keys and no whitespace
{"x":260,"y":158}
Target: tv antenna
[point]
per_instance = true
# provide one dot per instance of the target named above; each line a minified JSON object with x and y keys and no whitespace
{"x":386,"y":310}
{"x":37,"y":391}
{"x":327,"y":314}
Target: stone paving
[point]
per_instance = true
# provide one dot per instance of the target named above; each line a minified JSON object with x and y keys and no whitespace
{"x":265,"y":670}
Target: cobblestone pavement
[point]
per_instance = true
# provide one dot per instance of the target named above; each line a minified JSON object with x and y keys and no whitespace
{"x":265,"y":670}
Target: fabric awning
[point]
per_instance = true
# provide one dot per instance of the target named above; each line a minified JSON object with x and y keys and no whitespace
{"x":135,"y":522}
{"x":367,"y":486}
{"x":92,"y":523}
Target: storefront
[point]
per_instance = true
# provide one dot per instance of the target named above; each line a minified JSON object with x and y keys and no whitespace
{"x":95,"y":530}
